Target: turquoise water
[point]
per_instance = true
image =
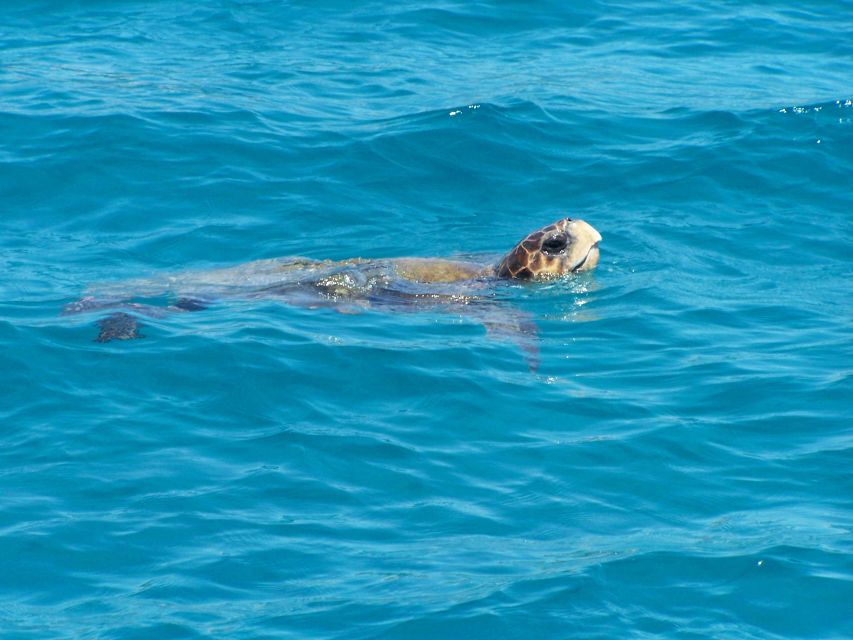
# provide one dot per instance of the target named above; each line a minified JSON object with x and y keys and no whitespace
{"x":680,"y":464}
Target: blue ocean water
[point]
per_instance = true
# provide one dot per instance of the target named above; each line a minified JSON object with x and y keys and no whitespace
{"x":680,"y":464}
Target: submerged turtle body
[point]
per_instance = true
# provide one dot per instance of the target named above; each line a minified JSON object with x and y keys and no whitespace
{"x":566,"y":246}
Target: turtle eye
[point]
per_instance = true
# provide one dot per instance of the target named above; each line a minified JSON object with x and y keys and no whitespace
{"x":555,"y":243}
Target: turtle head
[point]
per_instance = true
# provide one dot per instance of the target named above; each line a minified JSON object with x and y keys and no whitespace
{"x":566,"y":246}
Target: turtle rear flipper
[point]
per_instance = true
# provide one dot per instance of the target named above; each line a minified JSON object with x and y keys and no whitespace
{"x":190,"y":304}
{"x":118,"y":326}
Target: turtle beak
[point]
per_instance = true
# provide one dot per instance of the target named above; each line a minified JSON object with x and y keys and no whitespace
{"x":587,"y":239}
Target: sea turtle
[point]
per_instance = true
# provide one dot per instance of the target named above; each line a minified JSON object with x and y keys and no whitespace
{"x":563,"y":247}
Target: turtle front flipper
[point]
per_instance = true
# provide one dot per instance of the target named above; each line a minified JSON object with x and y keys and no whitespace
{"x":507,"y":324}
{"x":522,"y":332}
{"x":118,"y":326}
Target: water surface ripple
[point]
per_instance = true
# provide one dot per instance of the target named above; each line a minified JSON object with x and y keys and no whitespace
{"x":679,"y":466}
